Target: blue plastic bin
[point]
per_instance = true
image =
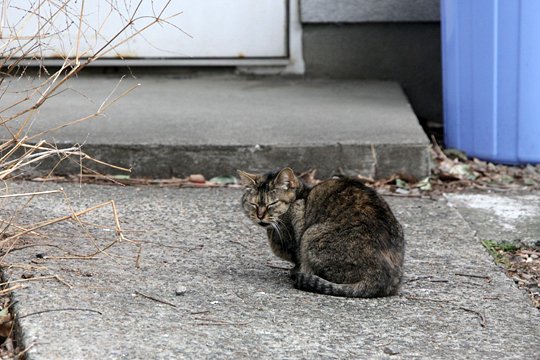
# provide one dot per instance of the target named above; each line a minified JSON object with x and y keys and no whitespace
{"x":491,"y":78}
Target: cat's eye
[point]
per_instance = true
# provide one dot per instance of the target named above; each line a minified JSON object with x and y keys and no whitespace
{"x":253,"y":205}
{"x":272,"y":204}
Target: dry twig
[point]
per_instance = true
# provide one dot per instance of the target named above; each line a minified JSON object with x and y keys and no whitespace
{"x":56,"y":310}
{"x":40,"y":26}
{"x":155,"y":299}
{"x":481,"y":316}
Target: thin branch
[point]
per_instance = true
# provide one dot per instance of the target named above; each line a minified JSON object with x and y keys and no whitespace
{"x":55,"y":277}
{"x":48,"y":192}
{"x":219,"y":322}
{"x":474,"y":276}
{"x":10,"y":289}
{"x":154,"y":299}
{"x":56,"y":310}
{"x":481,"y":317}
{"x":54,"y":221}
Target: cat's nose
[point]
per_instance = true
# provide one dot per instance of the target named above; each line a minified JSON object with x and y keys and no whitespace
{"x":261,"y":212}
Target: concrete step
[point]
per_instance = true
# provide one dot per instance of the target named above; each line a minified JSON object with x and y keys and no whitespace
{"x":213,"y":125}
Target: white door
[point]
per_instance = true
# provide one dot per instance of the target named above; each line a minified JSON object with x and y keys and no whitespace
{"x":202,"y":29}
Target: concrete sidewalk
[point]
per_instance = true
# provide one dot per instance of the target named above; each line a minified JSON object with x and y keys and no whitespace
{"x":209,"y":287}
{"x":213,"y":125}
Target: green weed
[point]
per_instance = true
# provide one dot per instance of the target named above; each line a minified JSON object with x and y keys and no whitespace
{"x":499,"y":250}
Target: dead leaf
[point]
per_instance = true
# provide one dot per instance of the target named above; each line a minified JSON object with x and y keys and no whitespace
{"x":424,"y":184}
{"x":6,"y":322}
{"x":401,"y":184}
{"x":197,"y":179}
{"x":308,"y":177}
{"x":224,"y":180}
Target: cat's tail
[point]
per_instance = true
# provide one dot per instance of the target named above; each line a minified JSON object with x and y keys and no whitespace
{"x":316,"y":284}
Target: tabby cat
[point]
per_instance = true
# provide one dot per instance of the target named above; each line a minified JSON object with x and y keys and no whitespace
{"x":340,"y":234}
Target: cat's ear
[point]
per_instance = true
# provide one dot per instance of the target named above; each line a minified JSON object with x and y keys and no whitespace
{"x":286,"y":179}
{"x":247,"y":179}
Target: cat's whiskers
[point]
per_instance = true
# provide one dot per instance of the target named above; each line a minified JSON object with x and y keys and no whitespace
{"x":280,"y":224}
{"x":283,"y":225}
{"x":275,"y":226}
{"x":276,"y":229}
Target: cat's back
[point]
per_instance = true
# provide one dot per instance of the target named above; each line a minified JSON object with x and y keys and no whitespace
{"x":347,"y":202}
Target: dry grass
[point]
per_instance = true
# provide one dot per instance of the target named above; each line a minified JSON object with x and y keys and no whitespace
{"x":32,"y":29}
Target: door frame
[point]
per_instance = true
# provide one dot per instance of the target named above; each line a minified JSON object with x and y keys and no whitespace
{"x":293,"y":63}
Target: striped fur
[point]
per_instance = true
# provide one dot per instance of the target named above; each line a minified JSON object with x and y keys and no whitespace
{"x":341,"y":235}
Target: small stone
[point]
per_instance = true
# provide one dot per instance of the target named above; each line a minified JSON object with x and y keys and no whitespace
{"x":181,"y":291}
{"x":402,"y":191}
{"x":390,"y":351}
{"x":27,"y":275}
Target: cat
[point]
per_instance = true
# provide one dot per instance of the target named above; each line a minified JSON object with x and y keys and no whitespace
{"x":341,"y":236}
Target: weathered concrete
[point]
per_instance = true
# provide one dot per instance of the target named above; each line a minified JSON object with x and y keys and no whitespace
{"x":213,"y":125}
{"x":507,"y":217}
{"x":235,"y":301}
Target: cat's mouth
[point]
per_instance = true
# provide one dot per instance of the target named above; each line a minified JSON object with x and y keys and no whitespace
{"x":264,"y":223}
